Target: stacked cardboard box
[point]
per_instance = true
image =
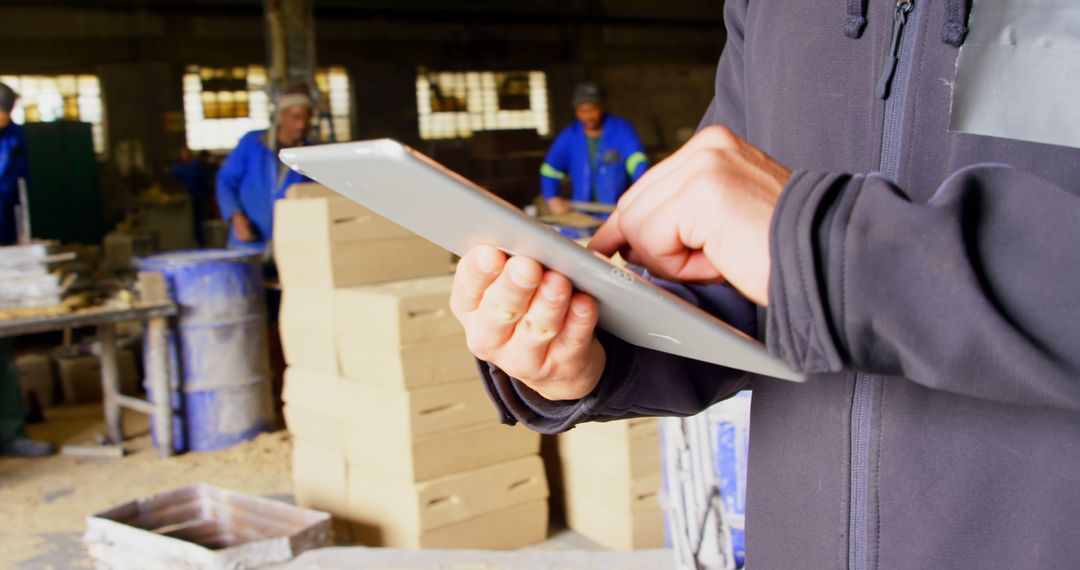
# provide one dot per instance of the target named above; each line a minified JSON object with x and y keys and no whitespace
{"x":392,"y":430}
{"x":611,"y":479}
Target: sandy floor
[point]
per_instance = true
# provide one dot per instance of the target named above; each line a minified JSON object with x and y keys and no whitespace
{"x":44,"y":502}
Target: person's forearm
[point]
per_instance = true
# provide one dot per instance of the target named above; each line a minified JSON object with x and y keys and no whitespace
{"x":973,"y":293}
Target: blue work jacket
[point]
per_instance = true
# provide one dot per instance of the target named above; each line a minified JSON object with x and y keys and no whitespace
{"x":620,"y":161}
{"x":250,"y":181}
{"x":13,"y":166}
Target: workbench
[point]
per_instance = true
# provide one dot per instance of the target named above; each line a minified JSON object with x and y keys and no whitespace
{"x":155,"y":314}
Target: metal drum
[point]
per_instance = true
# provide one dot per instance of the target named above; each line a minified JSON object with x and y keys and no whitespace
{"x":219,"y":360}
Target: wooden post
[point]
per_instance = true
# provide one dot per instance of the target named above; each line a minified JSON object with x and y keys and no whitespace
{"x":152,"y":289}
{"x":110,"y":383}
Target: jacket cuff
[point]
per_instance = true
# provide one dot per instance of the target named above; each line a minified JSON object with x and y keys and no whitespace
{"x":516,"y":402}
{"x":805,"y":282}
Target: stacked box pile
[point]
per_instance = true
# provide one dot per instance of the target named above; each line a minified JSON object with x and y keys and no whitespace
{"x":611,"y":480}
{"x":392,"y":431}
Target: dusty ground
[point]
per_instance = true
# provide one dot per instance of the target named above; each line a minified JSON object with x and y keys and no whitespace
{"x":44,"y":502}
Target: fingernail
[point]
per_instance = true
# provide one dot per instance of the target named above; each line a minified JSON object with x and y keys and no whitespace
{"x":580,"y":311}
{"x":485,"y":264}
{"x":550,"y":294}
{"x":521,"y":280}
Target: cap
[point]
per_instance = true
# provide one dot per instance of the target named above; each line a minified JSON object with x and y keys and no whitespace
{"x":587,"y":92}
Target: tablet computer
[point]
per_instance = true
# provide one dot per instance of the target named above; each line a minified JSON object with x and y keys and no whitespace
{"x":426,"y":198}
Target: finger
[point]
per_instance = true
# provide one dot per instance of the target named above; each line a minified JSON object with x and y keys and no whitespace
{"x":505,"y":301}
{"x":668,"y":247}
{"x":608,"y":238}
{"x":577,"y":331}
{"x":715,"y":137}
{"x":475,"y":273}
{"x":544,"y":319}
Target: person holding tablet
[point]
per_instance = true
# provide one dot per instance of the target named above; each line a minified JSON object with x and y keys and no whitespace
{"x":600,"y":152}
{"x":923,"y":275}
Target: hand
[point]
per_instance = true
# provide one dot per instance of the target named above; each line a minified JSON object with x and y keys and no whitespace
{"x":702,"y":215}
{"x":242,"y":227}
{"x":529,"y":322}
{"x":559,"y":206}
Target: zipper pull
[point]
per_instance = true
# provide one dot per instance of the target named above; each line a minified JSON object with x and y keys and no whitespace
{"x":903,"y":8}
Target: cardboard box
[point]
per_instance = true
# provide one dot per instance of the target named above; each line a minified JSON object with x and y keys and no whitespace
{"x":36,"y":377}
{"x":315,"y":426}
{"x":439,"y":454}
{"x":417,"y":413}
{"x":320,"y":476}
{"x":404,"y":509}
{"x":636,"y":458}
{"x":503,"y":530}
{"x":397,"y":313}
{"x":634,"y":428}
{"x":617,"y":529}
{"x":343,"y":264}
{"x":324,"y":240}
{"x":329,"y":219}
{"x":308,"y":346}
{"x":612,"y":490}
{"x":80,"y":376}
{"x":423,"y":364}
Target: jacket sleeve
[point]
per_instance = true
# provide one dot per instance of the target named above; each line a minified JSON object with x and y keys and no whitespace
{"x":638,"y":381}
{"x":556,"y":163}
{"x":973,"y":292}
{"x":230,"y":178}
{"x":637,"y":162}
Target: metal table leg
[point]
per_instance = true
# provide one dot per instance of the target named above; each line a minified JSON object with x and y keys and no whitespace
{"x":110,"y":383}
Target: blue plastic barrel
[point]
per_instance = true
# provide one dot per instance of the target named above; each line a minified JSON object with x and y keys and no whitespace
{"x":219,"y":360}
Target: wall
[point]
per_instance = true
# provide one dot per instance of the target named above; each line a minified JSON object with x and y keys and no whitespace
{"x":656,"y":59}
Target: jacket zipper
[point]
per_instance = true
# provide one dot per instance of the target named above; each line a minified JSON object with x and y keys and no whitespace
{"x":903,"y":8}
{"x":895,"y":73}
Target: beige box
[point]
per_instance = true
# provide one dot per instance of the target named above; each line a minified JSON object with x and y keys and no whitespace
{"x":417,"y":413}
{"x":503,"y":530}
{"x":439,"y":454}
{"x":36,"y":376}
{"x":613,"y":490}
{"x":306,"y":328}
{"x":635,"y":458}
{"x":315,"y":425}
{"x":402,"y":509}
{"x":320,"y":476}
{"x":397,"y":313}
{"x":312,"y":347}
{"x":80,"y":376}
{"x":323,"y":240}
{"x":634,"y":428}
{"x":343,"y":264}
{"x":417,"y":365}
{"x":615,"y":528}
{"x":314,"y":409}
{"x":309,"y":219}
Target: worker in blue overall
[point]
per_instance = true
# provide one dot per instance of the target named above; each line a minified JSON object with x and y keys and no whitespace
{"x":600,"y":152}
{"x":13,"y":166}
{"x":252,"y":178}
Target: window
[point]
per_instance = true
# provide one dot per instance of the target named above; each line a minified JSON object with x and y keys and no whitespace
{"x":222,"y":104}
{"x":455,"y":105}
{"x":47,"y":98}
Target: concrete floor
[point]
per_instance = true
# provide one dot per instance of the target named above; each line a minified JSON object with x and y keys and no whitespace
{"x":44,"y":502}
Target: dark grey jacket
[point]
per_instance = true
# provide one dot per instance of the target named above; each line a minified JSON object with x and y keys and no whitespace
{"x":936,"y":304}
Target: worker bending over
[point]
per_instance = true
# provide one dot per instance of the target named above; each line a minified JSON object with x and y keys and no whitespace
{"x":600,"y":152}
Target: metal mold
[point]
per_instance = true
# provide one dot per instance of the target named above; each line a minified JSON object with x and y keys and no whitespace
{"x":203,"y":527}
